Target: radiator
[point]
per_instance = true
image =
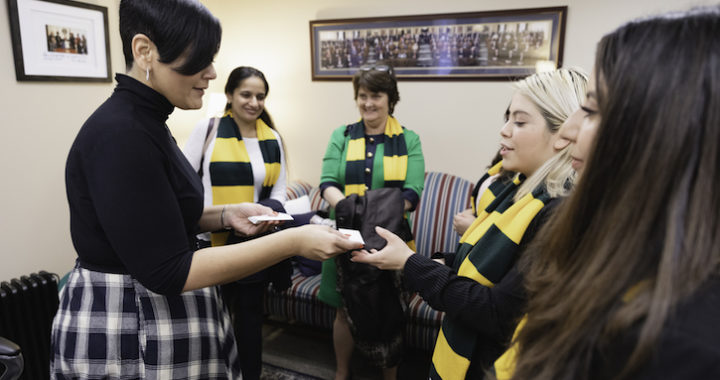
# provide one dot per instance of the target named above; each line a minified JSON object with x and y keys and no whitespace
{"x":27,"y":308}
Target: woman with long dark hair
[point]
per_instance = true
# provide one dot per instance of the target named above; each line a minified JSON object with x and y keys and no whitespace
{"x":627,"y":283}
{"x":240,"y":157}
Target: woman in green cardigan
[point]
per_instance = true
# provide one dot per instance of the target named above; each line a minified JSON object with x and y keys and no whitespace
{"x":349,"y":167}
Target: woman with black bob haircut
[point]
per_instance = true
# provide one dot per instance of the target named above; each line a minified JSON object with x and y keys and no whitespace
{"x":627,"y":283}
{"x":196,"y":39}
{"x":141,"y":300}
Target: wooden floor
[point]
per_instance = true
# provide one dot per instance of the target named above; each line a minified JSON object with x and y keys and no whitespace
{"x":309,"y":350}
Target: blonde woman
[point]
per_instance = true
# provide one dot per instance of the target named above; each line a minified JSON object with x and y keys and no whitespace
{"x":478,"y":287}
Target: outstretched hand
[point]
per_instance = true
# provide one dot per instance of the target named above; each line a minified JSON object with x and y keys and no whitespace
{"x":236,"y":216}
{"x":392,"y":257}
{"x":320,"y":242}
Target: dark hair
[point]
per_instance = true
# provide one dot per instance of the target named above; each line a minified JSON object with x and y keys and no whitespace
{"x":237,"y":76}
{"x":176,"y":27}
{"x":642,"y":232}
{"x":378,"y":81}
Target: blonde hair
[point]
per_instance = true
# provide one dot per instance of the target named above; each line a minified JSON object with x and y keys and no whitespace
{"x":557,"y":94}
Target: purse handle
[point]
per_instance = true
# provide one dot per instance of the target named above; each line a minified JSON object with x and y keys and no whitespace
{"x":211,"y":131}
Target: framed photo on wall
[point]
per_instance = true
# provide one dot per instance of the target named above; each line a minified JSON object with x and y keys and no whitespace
{"x":59,"y":40}
{"x":494,"y":45}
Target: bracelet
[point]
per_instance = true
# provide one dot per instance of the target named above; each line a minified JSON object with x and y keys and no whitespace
{"x":222,"y":219}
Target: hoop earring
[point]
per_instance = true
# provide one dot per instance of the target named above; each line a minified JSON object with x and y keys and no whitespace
{"x":147,"y":73}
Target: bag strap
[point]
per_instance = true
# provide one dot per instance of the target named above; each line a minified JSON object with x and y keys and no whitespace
{"x":211,"y":131}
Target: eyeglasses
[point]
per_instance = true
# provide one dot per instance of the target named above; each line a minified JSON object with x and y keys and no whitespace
{"x":384,"y":68}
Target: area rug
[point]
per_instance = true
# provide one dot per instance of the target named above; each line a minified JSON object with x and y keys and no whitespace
{"x":271,"y":372}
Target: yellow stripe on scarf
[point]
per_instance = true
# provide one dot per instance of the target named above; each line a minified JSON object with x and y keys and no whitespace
{"x":448,"y":364}
{"x":505,"y":364}
{"x":395,"y":167}
{"x":486,"y":197}
{"x":516,"y":219}
{"x":355,"y":189}
{"x":467,"y":269}
{"x":393,"y":127}
{"x":495,"y":169}
{"x":223,"y":195}
{"x":229,"y":150}
{"x":476,"y":230}
{"x":219,"y":238}
{"x":264,"y":132}
{"x":272,"y":172}
{"x":227,"y":195}
{"x":272,"y":169}
{"x":356,"y":150}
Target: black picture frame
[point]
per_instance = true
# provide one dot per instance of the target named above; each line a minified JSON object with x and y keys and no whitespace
{"x":493,"y":45}
{"x":59,"y":41}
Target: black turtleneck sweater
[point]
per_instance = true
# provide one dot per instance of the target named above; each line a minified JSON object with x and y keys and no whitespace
{"x":134,"y":199}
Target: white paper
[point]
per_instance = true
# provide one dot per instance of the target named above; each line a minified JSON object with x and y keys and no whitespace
{"x":353,"y":235}
{"x":298,"y":206}
{"x":264,"y":218}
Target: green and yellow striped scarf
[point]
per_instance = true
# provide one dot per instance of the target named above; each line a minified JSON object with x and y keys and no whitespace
{"x":494,"y":170}
{"x":394,"y":160}
{"x":231,"y":174}
{"x":486,"y":252}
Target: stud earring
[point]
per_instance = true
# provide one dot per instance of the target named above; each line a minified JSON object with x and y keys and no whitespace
{"x":147,"y":73}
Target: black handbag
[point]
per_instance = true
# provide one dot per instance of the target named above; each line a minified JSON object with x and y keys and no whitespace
{"x":372,"y":297}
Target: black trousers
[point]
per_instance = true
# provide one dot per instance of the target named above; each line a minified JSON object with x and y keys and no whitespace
{"x":245,"y":302}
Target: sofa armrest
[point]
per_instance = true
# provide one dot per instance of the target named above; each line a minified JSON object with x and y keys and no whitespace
{"x":298,"y":188}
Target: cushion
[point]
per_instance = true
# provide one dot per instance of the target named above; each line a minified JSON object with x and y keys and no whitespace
{"x":299,"y":303}
{"x":297,"y":189}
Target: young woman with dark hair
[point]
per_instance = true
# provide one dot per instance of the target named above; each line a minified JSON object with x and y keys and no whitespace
{"x":241,"y":159}
{"x":140,"y":302}
{"x":627,"y":283}
{"x":236,"y":79}
{"x":245,"y":130}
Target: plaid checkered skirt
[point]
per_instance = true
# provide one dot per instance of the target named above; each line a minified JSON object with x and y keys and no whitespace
{"x":110,"y":326}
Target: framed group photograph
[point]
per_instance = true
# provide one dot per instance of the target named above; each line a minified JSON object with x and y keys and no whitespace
{"x":494,"y":45}
{"x":59,"y":40}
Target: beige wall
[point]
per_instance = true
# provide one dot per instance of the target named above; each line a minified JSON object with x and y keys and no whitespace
{"x":458,"y":122}
{"x":39,"y":122}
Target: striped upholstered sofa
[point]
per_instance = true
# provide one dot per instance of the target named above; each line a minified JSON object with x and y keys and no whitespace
{"x":444,"y":195}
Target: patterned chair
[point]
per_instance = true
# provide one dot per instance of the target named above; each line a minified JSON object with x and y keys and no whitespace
{"x":444,"y":196}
